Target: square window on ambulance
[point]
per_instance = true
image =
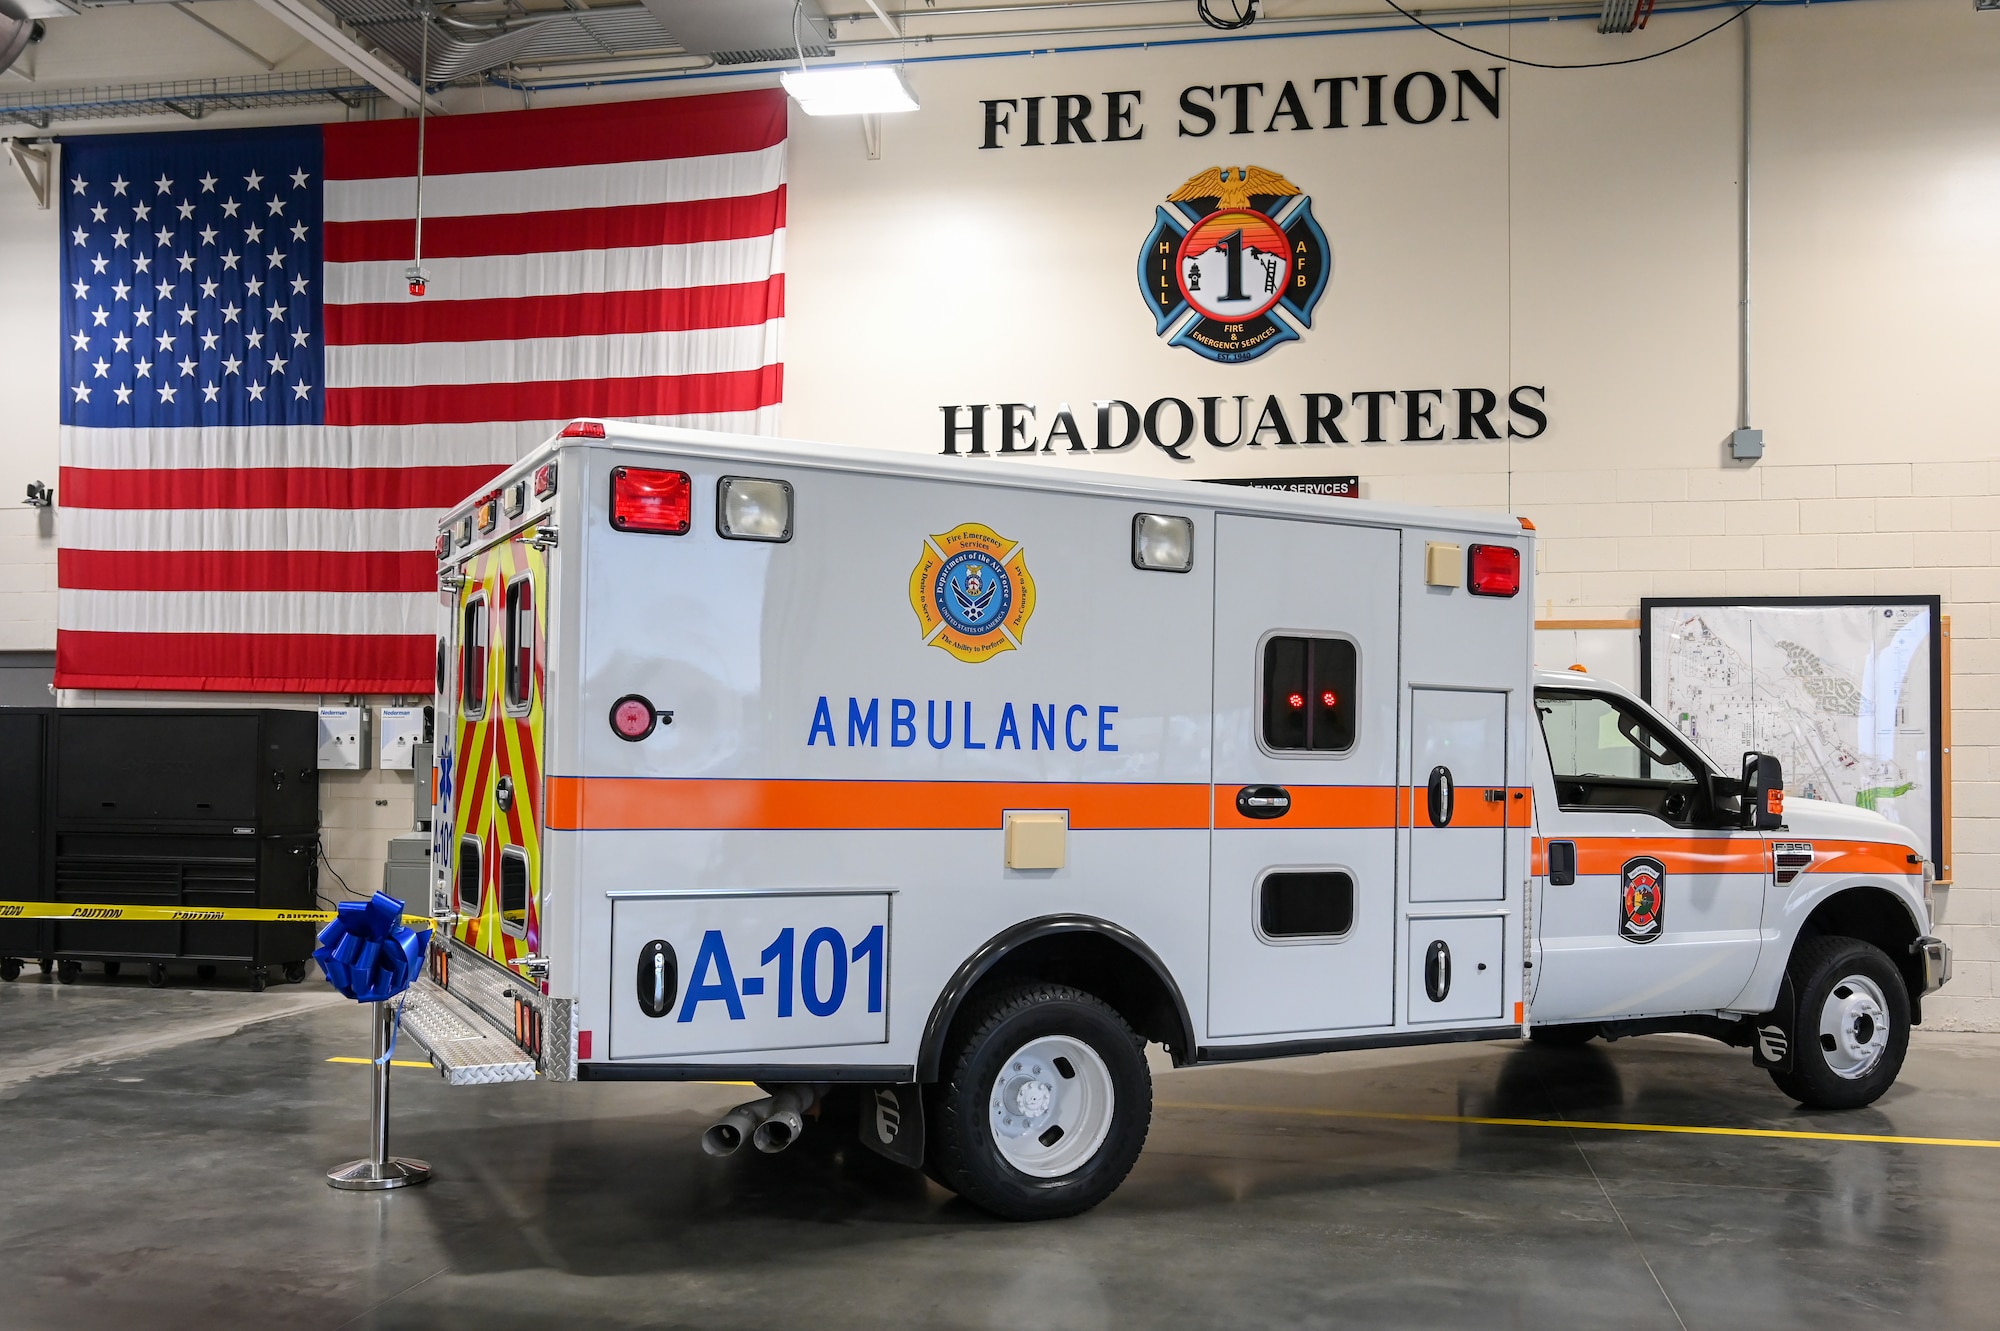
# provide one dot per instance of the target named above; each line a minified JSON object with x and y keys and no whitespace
{"x":753,"y":510}
{"x":1305,"y":905}
{"x":1309,"y":693}
{"x":520,"y":644}
{"x":514,"y":890}
{"x":1161,"y":543}
{"x":643,"y":500}
{"x":472,"y":659}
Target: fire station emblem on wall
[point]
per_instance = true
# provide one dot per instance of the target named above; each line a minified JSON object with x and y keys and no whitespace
{"x":972,"y":592}
{"x":1642,"y":903}
{"x":1235,"y":265}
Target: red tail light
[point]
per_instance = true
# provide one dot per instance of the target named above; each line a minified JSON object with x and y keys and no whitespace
{"x":583,"y":430}
{"x":1493,"y":570}
{"x":650,"y":501}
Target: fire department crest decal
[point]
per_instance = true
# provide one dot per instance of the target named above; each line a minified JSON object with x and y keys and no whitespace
{"x":1235,"y":263}
{"x":972,"y":592}
{"x":1642,"y":901}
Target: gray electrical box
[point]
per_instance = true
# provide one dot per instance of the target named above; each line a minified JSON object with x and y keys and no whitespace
{"x":424,"y":795}
{"x":406,"y":875}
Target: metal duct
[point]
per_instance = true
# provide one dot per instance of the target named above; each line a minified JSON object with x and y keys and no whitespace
{"x":1624,"y":15}
{"x":394,"y":27}
{"x":16,"y":31}
{"x":740,"y":31}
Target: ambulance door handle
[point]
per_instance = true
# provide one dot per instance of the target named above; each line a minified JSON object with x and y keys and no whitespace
{"x":1437,"y":971}
{"x":658,"y":977}
{"x":1263,"y":801}
{"x":503,"y":794}
{"x":1439,"y":796}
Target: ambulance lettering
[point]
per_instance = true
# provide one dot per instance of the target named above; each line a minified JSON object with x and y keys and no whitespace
{"x":1080,"y":726}
{"x":815,"y":976}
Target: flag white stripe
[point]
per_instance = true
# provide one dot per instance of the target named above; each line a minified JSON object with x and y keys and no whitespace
{"x":248,"y":612}
{"x":248,"y":528}
{"x":562,"y":272}
{"x":560,"y":188}
{"x":540,"y":359}
{"x":497,"y":444}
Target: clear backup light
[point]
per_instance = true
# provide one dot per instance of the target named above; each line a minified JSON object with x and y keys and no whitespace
{"x":1493,"y":570}
{"x":650,"y":501}
{"x":1162,"y":543}
{"x":753,"y":510}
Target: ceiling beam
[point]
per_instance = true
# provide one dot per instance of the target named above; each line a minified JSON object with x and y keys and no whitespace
{"x":887,"y":22}
{"x":327,"y":34}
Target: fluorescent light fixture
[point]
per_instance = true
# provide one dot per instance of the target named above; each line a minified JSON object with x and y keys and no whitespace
{"x":849,"y":90}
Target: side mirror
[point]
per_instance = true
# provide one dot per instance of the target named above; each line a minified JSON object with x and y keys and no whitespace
{"x":1763,"y":792}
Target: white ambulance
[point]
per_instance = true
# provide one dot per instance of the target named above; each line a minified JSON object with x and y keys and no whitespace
{"x":925,"y":796}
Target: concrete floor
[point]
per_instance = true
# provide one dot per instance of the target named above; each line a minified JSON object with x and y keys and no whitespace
{"x":162,"y":1168}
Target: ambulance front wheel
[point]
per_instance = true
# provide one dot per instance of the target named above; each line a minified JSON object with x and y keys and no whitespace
{"x":1044,"y":1105}
{"x":1852,"y":1027}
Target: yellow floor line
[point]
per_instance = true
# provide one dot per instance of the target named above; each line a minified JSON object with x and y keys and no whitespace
{"x":394,"y":1062}
{"x":1384,"y":1116}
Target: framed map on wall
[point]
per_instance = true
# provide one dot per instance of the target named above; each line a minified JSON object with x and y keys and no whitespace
{"x":1846,"y":692}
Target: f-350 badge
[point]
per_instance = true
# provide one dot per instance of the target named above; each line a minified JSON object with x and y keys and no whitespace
{"x":1235,"y":265}
{"x":972,"y":592}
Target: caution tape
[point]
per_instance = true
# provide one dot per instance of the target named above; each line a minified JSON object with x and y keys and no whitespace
{"x":49,"y":910}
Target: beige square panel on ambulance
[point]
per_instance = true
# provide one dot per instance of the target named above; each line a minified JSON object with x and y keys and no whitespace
{"x":1037,"y":840}
{"x":1444,"y":564}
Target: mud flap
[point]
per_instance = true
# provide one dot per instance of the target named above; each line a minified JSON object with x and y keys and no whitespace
{"x":1775,"y":1030}
{"x":892,"y":1123}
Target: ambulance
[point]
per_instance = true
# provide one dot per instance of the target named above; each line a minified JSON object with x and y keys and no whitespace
{"x":927,"y":795}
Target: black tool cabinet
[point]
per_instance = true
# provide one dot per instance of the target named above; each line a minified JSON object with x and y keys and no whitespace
{"x":159,"y":807}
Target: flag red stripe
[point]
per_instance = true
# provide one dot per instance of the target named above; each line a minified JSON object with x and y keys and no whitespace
{"x":653,"y":130}
{"x":246,"y":662}
{"x":247,"y":570}
{"x":687,"y":223}
{"x":659,"y":395}
{"x":672,"y":310}
{"x":272,"y":487}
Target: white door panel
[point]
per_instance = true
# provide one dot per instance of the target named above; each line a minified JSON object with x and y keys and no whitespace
{"x":1458,"y":774}
{"x":1454,"y":968}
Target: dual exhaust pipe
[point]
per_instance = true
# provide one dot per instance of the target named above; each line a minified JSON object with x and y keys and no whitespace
{"x":771,"y":1124}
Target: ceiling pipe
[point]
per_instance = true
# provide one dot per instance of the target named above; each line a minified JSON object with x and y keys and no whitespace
{"x":326,"y":34}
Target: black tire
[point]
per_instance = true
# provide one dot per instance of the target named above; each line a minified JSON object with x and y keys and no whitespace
{"x":1562,"y":1037}
{"x":295,"y":972}
{"x":46,"y":964}
{"x":1832,"y":977}
{"x":965,"y":1154}
{"x":111,"y":969}
{"x":157,"y":976}
{"x":67,"y":971}
{"x":10,"y":969}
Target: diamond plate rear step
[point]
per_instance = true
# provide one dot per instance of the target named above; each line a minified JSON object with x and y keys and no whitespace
{"x":463,"y":1046}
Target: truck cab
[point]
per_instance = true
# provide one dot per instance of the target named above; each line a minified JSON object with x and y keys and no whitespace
{"x":1670,"y":896}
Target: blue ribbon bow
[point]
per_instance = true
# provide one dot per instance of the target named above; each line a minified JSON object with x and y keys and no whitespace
{"x":368,"y":953}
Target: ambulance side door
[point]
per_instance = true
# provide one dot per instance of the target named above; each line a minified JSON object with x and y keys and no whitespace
{"x":1302,"y":889}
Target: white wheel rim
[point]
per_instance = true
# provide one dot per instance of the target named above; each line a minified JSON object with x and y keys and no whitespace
{"x":1854,"y":1027}
{"x":1050,"y":1108}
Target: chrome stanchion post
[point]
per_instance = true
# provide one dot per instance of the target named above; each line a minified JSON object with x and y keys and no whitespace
{"x":380,"y":1170}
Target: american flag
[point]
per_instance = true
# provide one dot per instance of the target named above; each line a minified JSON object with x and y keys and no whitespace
{"x":260,"y":424}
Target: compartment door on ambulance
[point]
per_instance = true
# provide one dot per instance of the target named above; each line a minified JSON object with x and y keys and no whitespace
{"x":1302,"y":890}
{"x":497,"y":810}
{"x":1652,"y":906}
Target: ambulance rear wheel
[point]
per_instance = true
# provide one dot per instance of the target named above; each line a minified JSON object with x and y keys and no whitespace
{"x":1044,"y":1106}
{"x":1852,"y":1027}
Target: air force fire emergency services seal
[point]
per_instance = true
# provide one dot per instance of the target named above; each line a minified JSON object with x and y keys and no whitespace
{"x":972,"y":592}
{"x":1236,"y":265}
{"x":1642,"y":905}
